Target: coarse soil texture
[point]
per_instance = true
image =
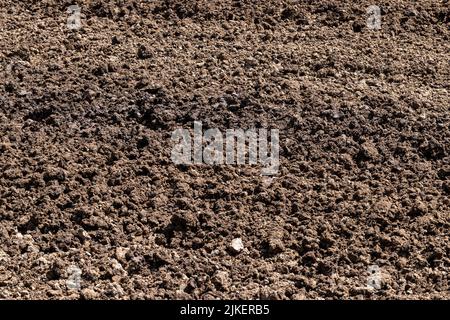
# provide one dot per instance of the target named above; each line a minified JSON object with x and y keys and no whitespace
{"x":92,"y":206}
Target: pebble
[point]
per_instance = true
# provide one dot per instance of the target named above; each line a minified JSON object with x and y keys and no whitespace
{"x":83,"y":234}
{"x":236,"y":245}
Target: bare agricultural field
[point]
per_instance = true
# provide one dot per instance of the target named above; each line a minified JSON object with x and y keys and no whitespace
{"x":93,"y":205}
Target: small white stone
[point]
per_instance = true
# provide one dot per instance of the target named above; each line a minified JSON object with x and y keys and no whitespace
{"x":237,"y":245}
{"x":83,"y":234}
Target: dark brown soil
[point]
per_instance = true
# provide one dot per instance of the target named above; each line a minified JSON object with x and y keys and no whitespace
{"x":86,"y":177}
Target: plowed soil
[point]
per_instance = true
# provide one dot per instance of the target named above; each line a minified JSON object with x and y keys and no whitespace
{"x":86,"y":178}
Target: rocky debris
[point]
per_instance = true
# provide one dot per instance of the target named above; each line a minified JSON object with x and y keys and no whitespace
{"x":236,"y":245}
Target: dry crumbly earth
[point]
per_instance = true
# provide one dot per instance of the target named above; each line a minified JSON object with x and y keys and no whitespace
{"x":86,"y":178}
